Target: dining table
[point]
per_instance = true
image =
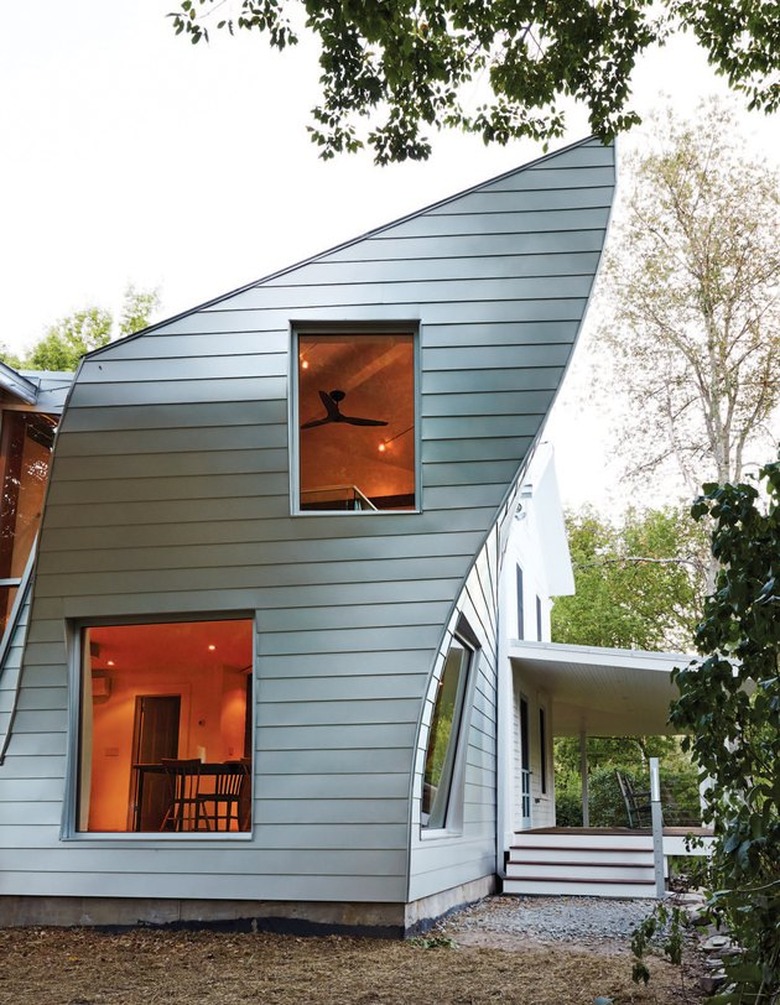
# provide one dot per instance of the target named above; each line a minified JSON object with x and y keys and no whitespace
{"x":151,"y":796}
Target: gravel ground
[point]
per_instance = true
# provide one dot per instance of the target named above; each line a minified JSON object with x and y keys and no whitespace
{"x":585,"y":921}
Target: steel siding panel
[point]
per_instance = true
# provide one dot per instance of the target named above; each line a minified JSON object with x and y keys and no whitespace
{"x":170,"y":494}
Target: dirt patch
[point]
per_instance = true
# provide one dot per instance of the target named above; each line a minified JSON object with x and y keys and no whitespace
{"x":41,"y":966}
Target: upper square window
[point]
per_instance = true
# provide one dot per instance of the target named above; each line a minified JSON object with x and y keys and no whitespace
{"x":356,"y":421}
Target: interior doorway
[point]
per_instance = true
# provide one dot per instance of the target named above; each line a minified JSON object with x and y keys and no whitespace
{"x":155,"y":736}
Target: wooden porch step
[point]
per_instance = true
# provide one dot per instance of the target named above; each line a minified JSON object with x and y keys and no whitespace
{"x":577,"y":887}
{"x":578,"y":856}
{"x":609,"y":872}
{"x":581,"y":863}
{"x":607,"y":840}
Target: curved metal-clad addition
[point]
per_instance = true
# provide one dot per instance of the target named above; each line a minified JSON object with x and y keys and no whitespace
{"x":170,"y":497}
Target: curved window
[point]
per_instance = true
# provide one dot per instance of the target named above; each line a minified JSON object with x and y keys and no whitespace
{"x":440,"y":759}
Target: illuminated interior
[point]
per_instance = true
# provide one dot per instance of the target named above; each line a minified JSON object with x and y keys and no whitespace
{"x":157,"y":692}
{"x":25,"y":448}
{"x":356,"y":421}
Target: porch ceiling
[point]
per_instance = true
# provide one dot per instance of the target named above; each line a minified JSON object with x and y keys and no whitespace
{"x":605,"y":692}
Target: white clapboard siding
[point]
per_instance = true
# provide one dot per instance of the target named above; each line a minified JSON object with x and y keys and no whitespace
{"x":170,"y":494}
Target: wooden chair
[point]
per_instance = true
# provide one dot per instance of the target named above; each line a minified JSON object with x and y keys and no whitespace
{"x":220,"y":809}
{"x":183,"y":777}
{"x":637,"y":803}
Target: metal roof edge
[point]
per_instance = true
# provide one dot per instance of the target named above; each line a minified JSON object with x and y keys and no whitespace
{"x":13,"y":381}
{"x":556,"y":652}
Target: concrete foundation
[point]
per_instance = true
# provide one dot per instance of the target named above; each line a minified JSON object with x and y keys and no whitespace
{"x":393,"y":921}
{"x":421,"y":915}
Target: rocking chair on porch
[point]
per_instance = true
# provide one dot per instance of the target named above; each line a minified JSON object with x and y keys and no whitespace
{"x":637,"y":804}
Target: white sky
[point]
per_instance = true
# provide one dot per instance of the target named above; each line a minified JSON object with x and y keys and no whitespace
{"x":129,"y":155}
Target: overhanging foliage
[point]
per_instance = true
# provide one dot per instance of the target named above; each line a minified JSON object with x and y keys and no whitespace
{"x":409,"y":65}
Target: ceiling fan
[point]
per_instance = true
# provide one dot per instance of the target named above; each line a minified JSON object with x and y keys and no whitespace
{"x":331,"y":401}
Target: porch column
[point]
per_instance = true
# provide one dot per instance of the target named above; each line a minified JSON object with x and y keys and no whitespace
{"x":584,"y":778}
{"x":658,"y":828}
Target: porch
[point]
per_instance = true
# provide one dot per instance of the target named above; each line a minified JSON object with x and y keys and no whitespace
{"x":580,"y":691}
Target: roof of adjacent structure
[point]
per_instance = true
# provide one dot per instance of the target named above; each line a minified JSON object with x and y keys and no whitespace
{"x":600,"y":691}
{"x":45,"y":389}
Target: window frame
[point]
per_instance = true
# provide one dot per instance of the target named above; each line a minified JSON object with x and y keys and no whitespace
{"x":74,"y":627}
{"x":384,"y":327}
{"x":457,"y":748}
{"x":543,"y":766}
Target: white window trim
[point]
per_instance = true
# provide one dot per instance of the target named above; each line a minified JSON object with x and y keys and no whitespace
{"x":453,"y":824}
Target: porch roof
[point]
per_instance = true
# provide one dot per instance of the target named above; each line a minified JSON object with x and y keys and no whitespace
{"x":603,"y":692}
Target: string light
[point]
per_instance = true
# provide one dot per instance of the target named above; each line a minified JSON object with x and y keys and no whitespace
{"x":386,"y":443}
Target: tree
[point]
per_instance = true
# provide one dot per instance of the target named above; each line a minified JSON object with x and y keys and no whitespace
{"x":66,"y":341}
{"x":138,"y":307}
{"x":730,"y":705}
{"x":692,"y":301}
{"x":637,"y":584}
{"x":9,"y":357}
{"x":417,"y":63}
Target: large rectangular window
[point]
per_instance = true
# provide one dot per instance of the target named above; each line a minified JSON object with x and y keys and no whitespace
{"x":356,"y":421}
{"x":165,"y":738}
